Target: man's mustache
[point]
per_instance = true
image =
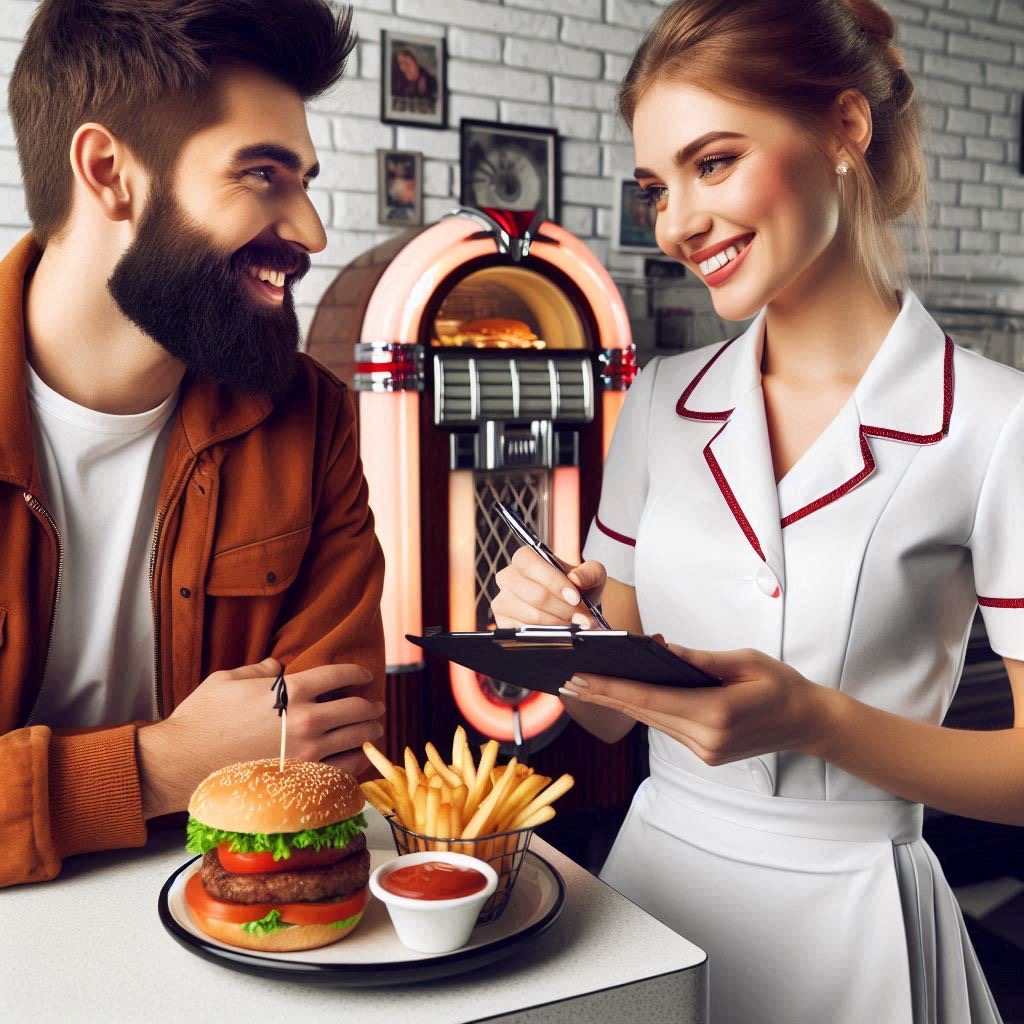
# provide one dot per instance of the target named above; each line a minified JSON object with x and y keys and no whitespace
{"x":267,"y":255}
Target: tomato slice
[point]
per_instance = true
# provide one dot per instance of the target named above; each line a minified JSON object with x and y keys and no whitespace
{"x":202,"y":902}
{"x":260,"y":863}
{"x":325,"y":913}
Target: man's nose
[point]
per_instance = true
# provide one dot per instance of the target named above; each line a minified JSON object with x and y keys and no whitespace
{"x":300,"y":223}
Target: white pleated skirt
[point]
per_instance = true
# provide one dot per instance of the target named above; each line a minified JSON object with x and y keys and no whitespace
{"x":810,"y":911}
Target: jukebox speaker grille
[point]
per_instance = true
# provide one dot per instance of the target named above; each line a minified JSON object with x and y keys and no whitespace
{"x":528,"y":494}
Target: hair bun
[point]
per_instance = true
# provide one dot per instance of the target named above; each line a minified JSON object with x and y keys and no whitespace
{"x":873,"y":19}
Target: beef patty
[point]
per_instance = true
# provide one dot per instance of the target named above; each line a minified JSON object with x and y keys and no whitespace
{"x":304,"y":885}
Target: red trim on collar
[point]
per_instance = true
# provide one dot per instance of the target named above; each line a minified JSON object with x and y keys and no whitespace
{"x":692,"y":414}
{"x":1001,"y":602}
{"x":620,"y":537}
{"x":827,"y":499}
{"x":895,"y":435}
{"x":730,"y":498}
{"x":834,"y":495}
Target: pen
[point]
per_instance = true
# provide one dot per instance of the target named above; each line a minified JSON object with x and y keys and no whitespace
{"x":526,"y":536}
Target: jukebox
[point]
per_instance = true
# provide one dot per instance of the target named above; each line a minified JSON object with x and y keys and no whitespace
{"x":489,"y":354}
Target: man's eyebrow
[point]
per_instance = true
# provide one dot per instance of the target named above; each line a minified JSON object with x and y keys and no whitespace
{"x":280,"y":154}
{"x":683,"y":155}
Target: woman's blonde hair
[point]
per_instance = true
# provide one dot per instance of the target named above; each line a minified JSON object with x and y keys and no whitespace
{"x":797,"y":56}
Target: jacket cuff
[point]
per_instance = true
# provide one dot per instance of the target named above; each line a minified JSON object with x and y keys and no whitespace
{"x":95,"y":796}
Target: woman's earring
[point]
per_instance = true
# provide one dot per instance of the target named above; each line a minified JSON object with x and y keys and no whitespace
{"x":842,"y":168}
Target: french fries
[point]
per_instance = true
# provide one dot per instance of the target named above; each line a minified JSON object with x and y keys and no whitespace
{"x":462,"y":800}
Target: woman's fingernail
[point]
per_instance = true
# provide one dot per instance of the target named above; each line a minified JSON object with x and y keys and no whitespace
{"x":568,"y":693}
{"x":570,"y":595}
{"x":580,"y":682}
{"x":579,"y":619}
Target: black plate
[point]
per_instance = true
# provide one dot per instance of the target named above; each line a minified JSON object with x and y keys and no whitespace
{"x":414,"y":967}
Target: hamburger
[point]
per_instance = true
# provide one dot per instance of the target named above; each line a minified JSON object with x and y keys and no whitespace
{"x":494,"y":332}
{"x":285,"y":865}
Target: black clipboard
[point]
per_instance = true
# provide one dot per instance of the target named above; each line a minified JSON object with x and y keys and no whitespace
{"x":544,"y":657}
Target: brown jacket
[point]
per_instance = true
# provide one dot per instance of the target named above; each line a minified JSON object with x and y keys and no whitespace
{"x":264,"y":546}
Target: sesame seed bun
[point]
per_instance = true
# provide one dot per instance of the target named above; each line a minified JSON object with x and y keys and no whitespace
{"x":254,"y":796}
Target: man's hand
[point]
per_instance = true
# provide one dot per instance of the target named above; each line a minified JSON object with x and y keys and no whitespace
{"x":230,"y":717}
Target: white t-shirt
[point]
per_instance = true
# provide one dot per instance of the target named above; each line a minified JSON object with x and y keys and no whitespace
{"x":102,"y":477}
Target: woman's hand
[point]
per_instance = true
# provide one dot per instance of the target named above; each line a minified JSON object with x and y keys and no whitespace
{"x":762,"y":706}
{"x":533,"y":593}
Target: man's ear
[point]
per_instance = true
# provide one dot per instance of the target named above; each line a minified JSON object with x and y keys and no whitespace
{"x":851,"y":115}
{"x":105,"y":169}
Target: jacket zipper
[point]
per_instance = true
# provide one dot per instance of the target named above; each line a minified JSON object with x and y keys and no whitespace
{"x":158,"y":704}
{"x":37,"y":507}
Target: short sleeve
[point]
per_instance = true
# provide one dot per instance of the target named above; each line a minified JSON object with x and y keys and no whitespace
{"x":997,"y":541}
{"x":612,"y":536}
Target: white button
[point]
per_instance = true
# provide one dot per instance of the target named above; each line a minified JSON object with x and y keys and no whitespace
{"x":767,"y":582}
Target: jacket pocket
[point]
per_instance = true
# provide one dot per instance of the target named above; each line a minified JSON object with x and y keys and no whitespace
{"x":259,"y":569}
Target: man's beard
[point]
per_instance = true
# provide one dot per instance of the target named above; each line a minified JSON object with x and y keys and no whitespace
{"x":188,"y":296}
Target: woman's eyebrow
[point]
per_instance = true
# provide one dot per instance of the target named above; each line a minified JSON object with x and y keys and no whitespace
{"x":683,"y":155}
{"x":280,"y":154}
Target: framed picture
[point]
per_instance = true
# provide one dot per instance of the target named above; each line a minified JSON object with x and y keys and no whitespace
{"x":632,"y":220}
{"x":412,"y":79}
{"x":399,"y":188}
{"x":509,"y":167}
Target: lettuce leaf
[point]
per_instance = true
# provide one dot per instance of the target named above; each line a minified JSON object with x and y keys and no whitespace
{"x":265,"y":925}
{"x":347,"y":922}
{"x":202,"y":838}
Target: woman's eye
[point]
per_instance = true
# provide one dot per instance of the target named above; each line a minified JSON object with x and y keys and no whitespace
{"x":708,"y":165}
{"x":653,"y":195}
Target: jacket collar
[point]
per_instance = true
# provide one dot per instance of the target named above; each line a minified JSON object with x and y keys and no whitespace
{"x":905,"y":395}
{"x":207,"y":413}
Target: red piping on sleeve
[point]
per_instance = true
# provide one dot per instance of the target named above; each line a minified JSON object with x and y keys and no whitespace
{"x":1001,"y":602}
{"x":620,"y":537}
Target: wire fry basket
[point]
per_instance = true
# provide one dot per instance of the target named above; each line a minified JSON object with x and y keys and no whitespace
{"x":504,"y":851}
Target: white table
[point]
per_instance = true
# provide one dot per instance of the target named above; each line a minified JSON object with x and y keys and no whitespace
{"x":89,"y":946}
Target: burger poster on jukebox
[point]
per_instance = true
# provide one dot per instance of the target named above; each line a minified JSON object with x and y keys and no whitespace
{"x":509,"y":167}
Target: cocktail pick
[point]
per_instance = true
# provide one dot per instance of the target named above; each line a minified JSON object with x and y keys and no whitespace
{"x":281,"y":707}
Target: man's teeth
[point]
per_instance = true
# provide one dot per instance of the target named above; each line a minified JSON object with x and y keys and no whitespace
{"x":719,"y":260}
{"x":274,"y":277}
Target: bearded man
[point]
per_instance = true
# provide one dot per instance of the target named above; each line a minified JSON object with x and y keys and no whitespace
{"x":183,"y":510}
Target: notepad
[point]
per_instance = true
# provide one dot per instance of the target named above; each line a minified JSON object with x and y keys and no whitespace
{"x":544,"y":657}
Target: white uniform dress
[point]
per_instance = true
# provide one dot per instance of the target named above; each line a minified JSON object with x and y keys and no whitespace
{"x":811,"y":890}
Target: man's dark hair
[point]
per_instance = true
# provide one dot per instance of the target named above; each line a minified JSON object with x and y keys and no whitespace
{"x":146,"y":70}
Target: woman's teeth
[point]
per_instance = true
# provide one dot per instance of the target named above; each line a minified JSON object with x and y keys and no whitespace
{"x":719,"y":260}
{"x":274,"y":277}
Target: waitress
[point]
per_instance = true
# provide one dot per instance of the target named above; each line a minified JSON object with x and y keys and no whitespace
{"x":812,"y":512}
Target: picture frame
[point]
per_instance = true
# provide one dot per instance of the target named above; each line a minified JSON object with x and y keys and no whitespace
{"x":632,"y":220}
{"x":509,"y":167}
{"x":399,"y":188}
{"x":413,"y":79}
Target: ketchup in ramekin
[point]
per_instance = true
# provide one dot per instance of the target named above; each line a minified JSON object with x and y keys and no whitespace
{"x":434,"y":898}
{"x":433,"y":880}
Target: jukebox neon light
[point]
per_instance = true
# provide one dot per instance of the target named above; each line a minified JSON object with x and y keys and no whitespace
{"x":490,"y":357}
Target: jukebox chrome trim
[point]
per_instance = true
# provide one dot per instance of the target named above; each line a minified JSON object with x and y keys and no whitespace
{"x":468,"y":390}
{"x":388,"y":366}
{"x":618,"y":368}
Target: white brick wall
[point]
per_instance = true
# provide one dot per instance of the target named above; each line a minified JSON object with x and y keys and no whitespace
{"x":534,"y":62}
